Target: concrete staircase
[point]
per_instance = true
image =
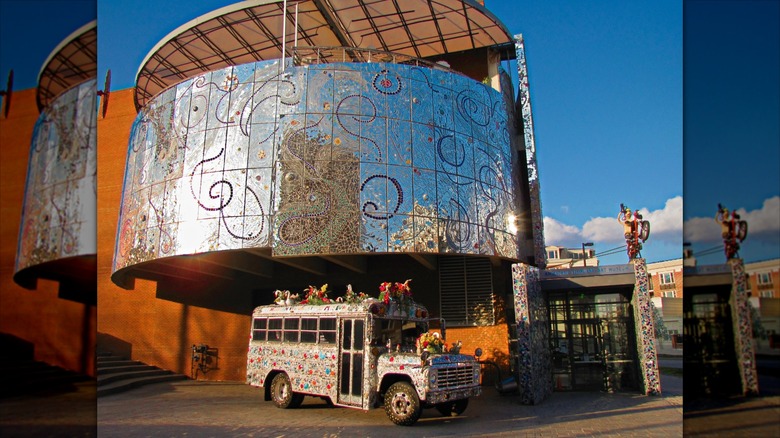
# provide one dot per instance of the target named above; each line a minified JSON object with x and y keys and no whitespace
{"x":116,"y":374}
{"x":25,"y":377}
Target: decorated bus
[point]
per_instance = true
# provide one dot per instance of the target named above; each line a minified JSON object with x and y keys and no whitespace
{"x":358,"y":352}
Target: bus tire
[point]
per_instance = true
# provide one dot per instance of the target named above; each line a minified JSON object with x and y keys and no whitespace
{"x":402,"y":405}
{"x":453,"y":408}
{"x":281,"y":392}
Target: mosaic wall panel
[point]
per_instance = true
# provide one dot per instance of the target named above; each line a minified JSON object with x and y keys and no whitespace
{"x":645,"y":330}
{"x":524,"y":98}
{"x":533,"y":335}
{"x":743,"y":328}
{"x":324,"y":159}
{"x":59,"y":213}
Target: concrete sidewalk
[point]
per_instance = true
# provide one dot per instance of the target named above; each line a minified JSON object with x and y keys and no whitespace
{"x":237,"y":410}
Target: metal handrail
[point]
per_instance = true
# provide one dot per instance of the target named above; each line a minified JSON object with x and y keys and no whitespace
{"x":308,"y":55}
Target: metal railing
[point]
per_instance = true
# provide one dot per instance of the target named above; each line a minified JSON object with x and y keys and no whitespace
{"x":305,"y":55}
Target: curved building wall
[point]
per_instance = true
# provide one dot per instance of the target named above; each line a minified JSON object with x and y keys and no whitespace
{"x":339,"y":158}
{"x":59,"y":212}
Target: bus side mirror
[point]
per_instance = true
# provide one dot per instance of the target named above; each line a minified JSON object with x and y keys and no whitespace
{"x":478,"y":353}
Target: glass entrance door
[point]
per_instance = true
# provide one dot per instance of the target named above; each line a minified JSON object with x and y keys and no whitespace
{"x":710,"y":361}
{"x":593,"y":342}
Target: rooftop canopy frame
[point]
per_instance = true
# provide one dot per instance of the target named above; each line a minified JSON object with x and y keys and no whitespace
{"x":253,"y":31}
{"x":72,"y":62}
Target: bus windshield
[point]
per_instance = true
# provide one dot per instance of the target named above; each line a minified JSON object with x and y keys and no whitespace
{"x":397,"y":332}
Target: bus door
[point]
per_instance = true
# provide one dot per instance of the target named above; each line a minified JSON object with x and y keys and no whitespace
{"x":351,"y":363}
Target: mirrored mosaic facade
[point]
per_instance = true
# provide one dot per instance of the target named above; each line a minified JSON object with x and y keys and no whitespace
{"x":341,"y":158}
{"x":59,"y":212}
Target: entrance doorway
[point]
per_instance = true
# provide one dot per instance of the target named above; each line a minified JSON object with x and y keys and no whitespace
{"x":593,"y":341}
{"x":709,"y":360}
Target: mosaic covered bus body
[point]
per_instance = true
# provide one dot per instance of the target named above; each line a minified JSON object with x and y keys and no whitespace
{"x":319,"y":356}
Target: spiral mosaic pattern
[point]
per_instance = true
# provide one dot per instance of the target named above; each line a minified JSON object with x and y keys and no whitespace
{"x":324,"y":159}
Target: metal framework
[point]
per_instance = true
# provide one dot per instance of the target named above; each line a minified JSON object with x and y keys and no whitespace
{"x":69,"y":64}
{"x":242,"y":33}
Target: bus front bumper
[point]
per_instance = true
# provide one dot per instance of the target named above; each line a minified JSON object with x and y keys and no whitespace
{"x":445,"y":395}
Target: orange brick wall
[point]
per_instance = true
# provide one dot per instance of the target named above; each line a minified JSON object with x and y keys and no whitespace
{"x":494,"y":342}
{"x":137,"y":323}
{"x":678,"y":285}
{"x":756,"y":292}
{"x":60,"y":332}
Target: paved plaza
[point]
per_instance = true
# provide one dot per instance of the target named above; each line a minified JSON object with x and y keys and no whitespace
{"x":233,"y":409}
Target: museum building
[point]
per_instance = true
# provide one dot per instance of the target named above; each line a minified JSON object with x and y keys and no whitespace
{"x":277,"y":145}
{"x":48,"y":282}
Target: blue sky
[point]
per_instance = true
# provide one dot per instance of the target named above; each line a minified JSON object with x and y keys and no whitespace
{"x":31,"y":29}
{"x":732,"y":133}
{"x":606,"y":82}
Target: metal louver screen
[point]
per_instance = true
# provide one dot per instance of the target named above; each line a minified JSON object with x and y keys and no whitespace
{"x":466,"y":289}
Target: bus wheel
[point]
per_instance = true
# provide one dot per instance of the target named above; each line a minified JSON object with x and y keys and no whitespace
{"x":455,"y":408}
{"x":282,"y":394}
{"x":402,"y":405}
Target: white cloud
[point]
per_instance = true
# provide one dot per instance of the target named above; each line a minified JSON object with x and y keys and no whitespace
{"x":702,"y":229}
{"x":603,"y":229}
{"x":558,"y":233}
{"x":763,"y":224}
{"x":665,"y":224}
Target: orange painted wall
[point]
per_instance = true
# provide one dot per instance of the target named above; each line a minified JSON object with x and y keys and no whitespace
{"x":137,"y":323}
{"x":59,"y":331}
{"x":494,"y":342}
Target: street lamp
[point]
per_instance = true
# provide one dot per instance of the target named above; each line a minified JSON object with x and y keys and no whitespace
{"x":584,"y":254}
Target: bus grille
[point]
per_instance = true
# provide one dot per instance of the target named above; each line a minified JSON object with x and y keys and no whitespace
{"x":455,"y":377}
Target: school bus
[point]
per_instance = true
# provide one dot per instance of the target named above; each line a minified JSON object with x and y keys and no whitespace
{"x":358,"y":355}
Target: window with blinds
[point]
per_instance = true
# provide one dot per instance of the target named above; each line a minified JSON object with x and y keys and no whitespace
{"x":466,"y":291}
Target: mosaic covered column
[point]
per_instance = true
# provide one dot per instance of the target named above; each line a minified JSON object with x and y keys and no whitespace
{"x":58,"y":216}
{"x":743,"y":328}
{"x":533,"y":335}
{"x":524,"y":98}
{"x":645,"y":330}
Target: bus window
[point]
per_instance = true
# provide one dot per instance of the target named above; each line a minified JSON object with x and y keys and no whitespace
{"x":258,"y":330}
{"x":309,"y":330}
{"x":291,"y":330}
{"x":358,"y":335}
{"x":327,"y":331}
{"x":347,"y":339}
{"x":275,"y":330}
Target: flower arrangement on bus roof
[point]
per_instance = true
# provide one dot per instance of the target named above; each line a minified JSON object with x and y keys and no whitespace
{"x":316,"y":296}
{"x":353,"y":298}
{"x":400,"y":292}
{"x":430,"y":342}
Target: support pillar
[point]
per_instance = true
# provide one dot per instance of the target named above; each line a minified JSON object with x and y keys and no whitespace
{"x":743,"y":328}
{"x":645,"y":331}
{"x":533,"y":335}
